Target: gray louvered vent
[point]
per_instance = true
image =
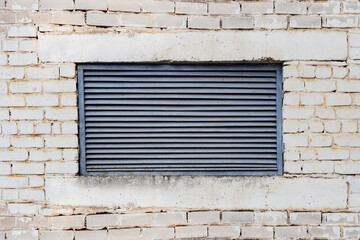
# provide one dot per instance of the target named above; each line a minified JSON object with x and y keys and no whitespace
{"x":212,"y":119}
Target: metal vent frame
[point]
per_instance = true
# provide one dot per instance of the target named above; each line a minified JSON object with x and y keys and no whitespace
{"x":81,"y":68}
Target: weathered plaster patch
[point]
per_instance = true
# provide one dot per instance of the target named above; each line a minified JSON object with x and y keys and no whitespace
{"x":194,"y":46}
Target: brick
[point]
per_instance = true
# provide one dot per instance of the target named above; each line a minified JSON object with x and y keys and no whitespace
{"x":307,"y":71}
{"x":42,"y":100}
{"x":324,"y":7}
{"x":309,"y":99}
{"x":3,"y":88}
{"x":4,"y":115}
{"x":171,"y":218}
{"x":22,"y":4}
{"x":203,"y":22}
{"x":237,"y":217}
{"x":349,"y":126}
{"x":33,"y":195}
{"x":22,"y":31}
{"x":70,"y":154}
{"x":60,"y":86}
{"x":271,"y":22}
{"x":27,"y":45}
{"x":7,"y":18}
{"x":13,"y":155}
{"x":354,"y":200}
{"x":348,"y":113}
{"x":224,"y":8}
{"x":57,"y":5}
{"x":324,"y":232}
{"x":9,"y":128}
{"x":7,"y":223}
{"x":296,"y":140}
{"x":158,"y":233}
{"x":22,"y":59}
{"x":61,"y":114}
{"x":56,"y":235}
{"x":43,"y":128}
{"x":11,"y":73}
{"x":167,"y":21}
{"x":354,"y":71}
{"x":354,"y":40}
{"x":257,"y":7}
{"x":124,"y":6}
{"x":124,"y":234}
{"x":11,"y":194}
{"x":347,"y":140}
{"x":290,"y":232}
{"x":191,"y":232}
{"x":10,"y":45}
{"x":320,"y":140}
{"x":102,"y":220}
{"x":340,"y":218}
{"x":257,"y":232}
{"x":351,"y":7}
{"x":291,"y":99}
{"x":71,"y":18}
{"x":305,"y":22}
{"x":135,"y":20}
{"x":91,"y":4}
{"x":340,"y":72}
{"x":318,"y":167}
{"x":348,"y":85}
{"x":333,"y":154}
{"x":305,"y":218}
{"x":320,"y":85}
{"x":4,"y":142}
{"x":205,"y":217}
{"x":298,"y":113}
{"x":69,"y":128}
{"x":25,"y":127}
{"x":224,"y":231}
{"x":28,"y":168}
{"x":68,"y":100}
{"x":290,"y":8}
{"x":42,"y":73}
{"x":61,"y":141}
{"x":22,"y":235}
{"x":270,"y":218}
{"x":3,"y":59}
{"x":25,"y":87}
{"x":237,"y":22}
{"x":13,"y":182}
{"x":190,"y":8}
{"x":41,"y":155}
{"x":325,"y":113}
{"x":158,"y":6}
{"x":68,"y":222}
{"x":351,"y":232}
{"x":338,"y":99}
{"x":27,"y":142}
{"x":136,"y":219}
{"x":348,"y":168}
{"x":341,"y":21}
{"x":36,"y":181}
{"x":91,"y":235}
{"x":316,"y":126}
{"x":355,"y":154}
{"x":67,"y":70}
{"x":100,"y":19}
{"x":5,"y":169}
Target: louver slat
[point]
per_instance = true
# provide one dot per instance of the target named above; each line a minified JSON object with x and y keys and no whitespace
{"x":209,"y":119}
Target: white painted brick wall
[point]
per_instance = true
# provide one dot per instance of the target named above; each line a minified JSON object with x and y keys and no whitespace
{"x":317,"y":196}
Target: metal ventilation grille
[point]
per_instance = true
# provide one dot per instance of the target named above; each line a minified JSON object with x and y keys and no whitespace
{"x":211,"y":119}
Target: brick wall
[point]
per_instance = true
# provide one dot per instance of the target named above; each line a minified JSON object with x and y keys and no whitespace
{"x":41,"y":195}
